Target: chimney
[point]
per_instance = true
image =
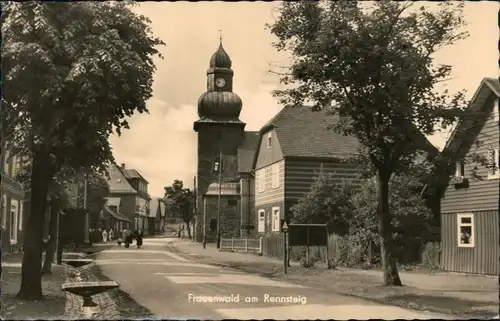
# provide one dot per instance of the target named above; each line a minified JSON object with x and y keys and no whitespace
{"x":122,"y":165}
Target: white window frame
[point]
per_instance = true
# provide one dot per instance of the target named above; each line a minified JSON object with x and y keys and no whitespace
{"x":473,"y":230}
{"x":269,"y":140}
{"x":21,"y":216}
{"x":460,"y":169}
{"x":493,"y":170}
{"x":276,"y":175}
{"x":275,"y":223}
{"x":261,"y":220}
{"x":14,"y":213}
{"x":4,"y":211}
{"x":496,"y":114}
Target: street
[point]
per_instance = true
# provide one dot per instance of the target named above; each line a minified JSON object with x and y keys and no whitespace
{"x":173,"y":286}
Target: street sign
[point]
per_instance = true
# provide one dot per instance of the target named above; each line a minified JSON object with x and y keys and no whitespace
{"x":284,"y":228}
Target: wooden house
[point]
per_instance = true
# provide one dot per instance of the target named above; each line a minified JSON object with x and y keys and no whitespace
{"x":294,"y":145}
{"x":156,"y":217}
{"x":469,"y":209}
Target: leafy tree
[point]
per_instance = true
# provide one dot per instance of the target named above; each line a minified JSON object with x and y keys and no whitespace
{"x":372,"y":65}
{"x":179,"y":201}
{"x":72,"y":72}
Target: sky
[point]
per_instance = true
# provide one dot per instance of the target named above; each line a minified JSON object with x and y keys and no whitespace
{"x":162,"y":145}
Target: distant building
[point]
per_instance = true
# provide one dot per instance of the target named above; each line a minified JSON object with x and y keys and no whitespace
{"x":156,"y":217}
{"x":12,"y":204}
{"x":469,"y":208}
{"x":128,"y":197}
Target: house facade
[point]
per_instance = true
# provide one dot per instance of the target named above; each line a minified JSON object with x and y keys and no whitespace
{"x":469,"y":208}
{"x":12,"y":204}
{"x":295,"y":146}
{"x":128,"y":197}
{"x":156,"y":219}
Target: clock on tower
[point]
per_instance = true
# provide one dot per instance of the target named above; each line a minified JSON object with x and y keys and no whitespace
{"x":220,"y":82}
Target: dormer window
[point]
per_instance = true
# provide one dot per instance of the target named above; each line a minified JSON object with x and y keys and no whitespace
{"x":269,"y":140}
{"x":460,"y":169}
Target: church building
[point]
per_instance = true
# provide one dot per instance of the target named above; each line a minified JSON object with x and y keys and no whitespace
{"x":222,"y":135}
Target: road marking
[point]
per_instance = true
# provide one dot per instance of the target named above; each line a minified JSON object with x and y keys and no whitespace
{"x":240,"y":279}
{"x":147,"y":262}
{"x":138,"y":251}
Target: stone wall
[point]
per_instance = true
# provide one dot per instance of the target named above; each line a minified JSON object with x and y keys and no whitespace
{"x":229,"y":216}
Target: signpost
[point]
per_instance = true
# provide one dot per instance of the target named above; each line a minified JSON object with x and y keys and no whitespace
{"x":308,"y":235}
{"x":284,"y":228}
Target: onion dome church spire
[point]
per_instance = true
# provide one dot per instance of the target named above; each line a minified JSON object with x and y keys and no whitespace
{"x":219,"y":103}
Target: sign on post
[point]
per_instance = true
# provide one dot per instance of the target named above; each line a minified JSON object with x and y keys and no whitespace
{"x":284,"y":229}
{"x":307,"y":235}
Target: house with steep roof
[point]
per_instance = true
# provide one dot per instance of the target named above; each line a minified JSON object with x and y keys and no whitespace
{"x":128,"y":197}
{"x":469,"y":208}
{"x":156,"y":219}
{"x":294,"y":146}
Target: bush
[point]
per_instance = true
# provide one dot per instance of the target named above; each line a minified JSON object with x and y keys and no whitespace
{"x":308,"y":264}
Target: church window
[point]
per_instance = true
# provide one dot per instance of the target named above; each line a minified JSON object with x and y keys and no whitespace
{"x":269,"y":139}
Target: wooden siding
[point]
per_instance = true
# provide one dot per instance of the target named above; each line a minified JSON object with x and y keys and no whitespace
{"x":270,"y":194}
{"x":481,"y":259}
{"x":481,"y":195}
{"x":267,"y":156}
{"x":301,"y":174}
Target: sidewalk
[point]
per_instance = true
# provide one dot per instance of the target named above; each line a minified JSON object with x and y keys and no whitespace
{"x":464,"y":296}
{"x":53,"y":305}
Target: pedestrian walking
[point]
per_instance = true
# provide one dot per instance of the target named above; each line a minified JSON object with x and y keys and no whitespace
{"x":139,"y":240}
{"x":125,"y":233}
{"x":119,"y":241}
{"x":104,"y":236}
{"x":111,"y":234}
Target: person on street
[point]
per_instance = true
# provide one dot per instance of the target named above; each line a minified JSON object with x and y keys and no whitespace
{"x":104,"y":236}
{"x":139,"y":240}
{"x":111,"y":234}
{"x":125,"y":237}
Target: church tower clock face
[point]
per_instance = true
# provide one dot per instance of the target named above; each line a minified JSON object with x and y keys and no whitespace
{"x":220,"y":82}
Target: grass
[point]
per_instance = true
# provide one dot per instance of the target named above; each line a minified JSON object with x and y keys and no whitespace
{"x":51,"y":307}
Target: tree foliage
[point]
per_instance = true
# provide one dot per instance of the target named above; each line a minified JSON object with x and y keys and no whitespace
{"x":72,"y":73}
{"x":179,"y":201}
{"x":371,"y":65}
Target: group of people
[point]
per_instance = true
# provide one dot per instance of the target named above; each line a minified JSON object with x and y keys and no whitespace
{"x":108,"y":235}
{"x":129,"y":236}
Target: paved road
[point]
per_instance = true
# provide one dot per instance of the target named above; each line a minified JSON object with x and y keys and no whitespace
{"x":173,"y":286}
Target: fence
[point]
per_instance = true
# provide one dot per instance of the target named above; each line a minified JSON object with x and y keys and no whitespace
{"x":246,"y":244}
{"x":350,"y":253}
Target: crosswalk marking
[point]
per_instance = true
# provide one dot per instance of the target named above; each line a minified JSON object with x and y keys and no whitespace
{"x":139,"y":251}
{"x":240,"y":279}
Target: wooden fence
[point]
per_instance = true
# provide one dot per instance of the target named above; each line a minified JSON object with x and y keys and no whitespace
{"x":346,"y":252}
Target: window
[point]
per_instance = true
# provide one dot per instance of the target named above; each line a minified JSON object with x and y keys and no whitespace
{"x":7,"y":164}
{"x":14,"y":212}
{"x":21,"y":215}
{"x":276,"y":175}
{"x":276,"y":219}
{"x":460,"y":169}
{"x":262,"y":221}
{"x":269,"y":140}
{"x":261,"y":180}
{"x":232,"y":202}
{"x":496,"y":115}
{"x":465,"y":223}
{"x":213,"y":224}
{"x":4,"y":211}
{"x":493,"y":171}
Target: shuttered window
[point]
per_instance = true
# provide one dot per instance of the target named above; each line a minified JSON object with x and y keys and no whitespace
{"x":276,"y":175}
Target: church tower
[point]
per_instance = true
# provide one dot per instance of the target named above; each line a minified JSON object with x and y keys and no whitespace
{"x":220,"y":131}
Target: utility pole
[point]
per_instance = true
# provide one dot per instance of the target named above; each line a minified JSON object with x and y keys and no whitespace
{"x":219,"y":198}
{"x":195,"y":209}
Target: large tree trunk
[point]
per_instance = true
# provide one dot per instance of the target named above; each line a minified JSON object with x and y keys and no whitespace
{"x":49,"y":254}
{"x":391,"y":275}
{"x":31,"y":272}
